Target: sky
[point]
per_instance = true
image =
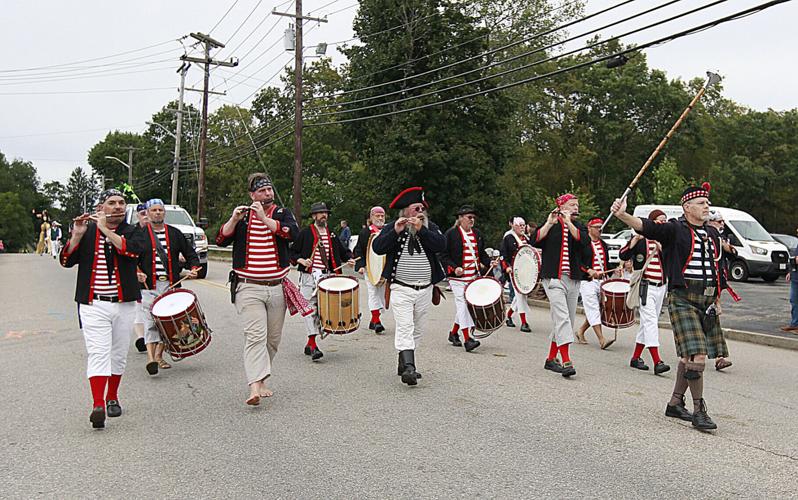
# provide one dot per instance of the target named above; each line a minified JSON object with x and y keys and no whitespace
{"x":62,"y":58}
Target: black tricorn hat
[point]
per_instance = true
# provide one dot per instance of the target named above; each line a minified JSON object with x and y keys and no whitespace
{"x":466,"y":209}
{"x":318,"y":208}
{"x":408,"y":197}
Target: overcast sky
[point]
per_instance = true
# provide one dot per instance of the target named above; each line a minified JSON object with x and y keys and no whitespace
{"x":52,"y":116}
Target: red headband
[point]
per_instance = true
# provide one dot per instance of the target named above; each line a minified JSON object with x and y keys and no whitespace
{"x":562,"y":200}
{"x":595,"y":222}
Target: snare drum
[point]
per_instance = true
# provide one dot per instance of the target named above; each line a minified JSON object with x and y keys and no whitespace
{"x":179,"y":318}
{"x":614,"y":313}
{"x":339,"y":304}
{"x":485,"y":303}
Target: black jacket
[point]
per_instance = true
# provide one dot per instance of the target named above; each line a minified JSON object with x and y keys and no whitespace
{"x":287,"y":231}
{"x":587,"y":258}
{"x":123,"y":261}
{"x":362,"y":247}
{"x":678,"y":241}
{"x":391,"y":244}
{"x":509,"y":248}
{"x":177,"y":244}
{"x":551,"y":247}
{"x":306,"y":241}
{"x":452,"y":258}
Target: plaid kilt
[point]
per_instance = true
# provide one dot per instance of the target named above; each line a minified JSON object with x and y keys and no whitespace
{"x":687,"y":309}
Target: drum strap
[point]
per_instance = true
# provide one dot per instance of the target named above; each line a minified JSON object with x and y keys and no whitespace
{"x":471,"y":248}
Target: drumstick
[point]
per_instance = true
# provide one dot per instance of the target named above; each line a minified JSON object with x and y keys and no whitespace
{"x":339,"y":267}
{"x":184,"y":278}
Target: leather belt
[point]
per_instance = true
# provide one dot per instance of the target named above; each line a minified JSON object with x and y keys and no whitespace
{"x":106,"y":298}
{"x":260,"y":282}
{"x":414,"y":287}
{"x":163,"y":278}
{"x":652,"y":283}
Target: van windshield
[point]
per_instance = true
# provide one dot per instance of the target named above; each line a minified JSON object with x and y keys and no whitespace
{"x":178,"y":217}
{"x":750,"y":230}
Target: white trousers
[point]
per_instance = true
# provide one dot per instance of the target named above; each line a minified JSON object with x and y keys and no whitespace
{"x":563,"y":295}
{"x":307,"y":286}
{"x":591,"y":300}
{"x":410,"y":309}
{"x":376,"y":296}
{"x":520,"y":301}
{"x":151,"y":333}
{"x":461,"y":316}
{"x":648,"y":334}
{"x":107,"y":327}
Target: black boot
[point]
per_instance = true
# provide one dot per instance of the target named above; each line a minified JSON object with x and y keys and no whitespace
{"x":401,"y":368}
{"x":679,"y":411}
{"x":454,"y":338}
{"x":701,"y":420}
{"x":408,"y":361}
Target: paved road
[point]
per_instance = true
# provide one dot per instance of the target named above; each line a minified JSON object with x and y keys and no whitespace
{"x":491,"y":423}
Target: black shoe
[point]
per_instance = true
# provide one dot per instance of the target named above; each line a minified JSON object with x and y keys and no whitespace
{"x":378,"y":328}
{"x":401,"y":368}
{"x":308,"y":351}
{"x":371,"y":325}
{"x":409,"y":375}
{"x":510,"y":323}
{"x":97,"y":417}
{"x":113,"y":408}
{"x":568,"y":369}
{"x":152,"y":368}
{"x":638,"y":363}
{"x":701,"y":420}
{"x":454,"y":338}
{"x":315,"y":353}
{"x":679,"y":411}
{"x":140,"y":345}
{"x":553,"y":365}
{"x":525,"y":328}
{"x":471,"y":344}
{"x":661,"y":367}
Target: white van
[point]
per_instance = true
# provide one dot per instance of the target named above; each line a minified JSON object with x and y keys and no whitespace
{"x":758,"y":254}
{"x":178,"y":217}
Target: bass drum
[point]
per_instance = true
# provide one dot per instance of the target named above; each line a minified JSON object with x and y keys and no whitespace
{"x":526,"y":269}
{"x":374,"y":263}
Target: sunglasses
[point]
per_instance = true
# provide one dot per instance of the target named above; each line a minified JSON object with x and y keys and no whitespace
{"x":420,"y":209}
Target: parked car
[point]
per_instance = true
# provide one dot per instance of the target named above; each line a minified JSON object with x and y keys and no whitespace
{"x":178,"y":217}
{"x":615,"y":242}
{"x":758,"y":254}
{"x":789,"y":241}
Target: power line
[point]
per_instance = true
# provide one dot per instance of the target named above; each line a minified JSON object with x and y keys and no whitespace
{"x":68,"y":132}
{"x":223,"y":17}
{"x":105,"y":91}
{"x":98,"y":74}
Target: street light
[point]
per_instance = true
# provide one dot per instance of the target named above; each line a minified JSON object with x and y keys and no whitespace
{"x":166,"y":130}
{"x":129,"y":169}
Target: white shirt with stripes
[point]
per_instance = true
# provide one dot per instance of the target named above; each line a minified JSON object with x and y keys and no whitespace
{"x":104,"y":283}
{"x":654,"y":272}
{"x":565,"y":263}
{"x":702,"y":264}
{"x":262,"y":262}
{"x":160,"y":269}
{"x":318,"y":261}
{"x":413,"y":269}
{"x":470,"y":261}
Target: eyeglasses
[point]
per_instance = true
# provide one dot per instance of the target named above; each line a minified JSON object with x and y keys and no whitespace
{"x":422,"y":208}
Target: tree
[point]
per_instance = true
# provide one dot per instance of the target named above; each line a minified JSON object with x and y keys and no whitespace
{"x":15,"y":228}
{"x":668,"y":183}
{"x":80,"y":194}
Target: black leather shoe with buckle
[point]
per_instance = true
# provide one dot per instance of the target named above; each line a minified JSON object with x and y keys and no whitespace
{"x":553,"y":365}
{"x":638,"y":363}
{"x":661,"y":367}
{"x":509,"y":322}
{"x":113,"y":408}
{"x":97,"y":417}
{"x":471,"y":344}
{"x":315,"y":353}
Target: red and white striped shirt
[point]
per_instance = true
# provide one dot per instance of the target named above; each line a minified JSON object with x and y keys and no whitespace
{"x":598,"y":255}
{"x":470,"y":261}
{"x":654,"y":270}
{"x":318,"y":261}
{"x":103,"y":283}
{"x":565,"y":263}
{"x":262,"y":262}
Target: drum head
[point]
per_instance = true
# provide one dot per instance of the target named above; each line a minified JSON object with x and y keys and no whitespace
{"x":525,"y":269}
{"x":616,"y":286}
{"x":337,"y":284}
{"x":172,"y":303}
{"x":374,"y":263}
{"x":483,"y":292}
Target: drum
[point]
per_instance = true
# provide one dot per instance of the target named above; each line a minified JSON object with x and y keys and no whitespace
{"x":526,"y":269}
{"x":374,"y":263}
{"x":179,"y":318}
{"x":614,"y":313}
{"x":485,"y":303}
{"x":339,"y":304}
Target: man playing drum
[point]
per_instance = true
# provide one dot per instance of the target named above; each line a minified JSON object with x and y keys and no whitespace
{"x":641,"y":251}
{"x":689,"y":246}
{"x":464,"y":259}
{"x":562,"y":241}
{"x":105,"y":248}
{"x":317,"y":251}
{"x":159,"y":269}
{"x":376,"y":293}
{"x":260,"y":234}
{"x":514,"y":239}
{"x":595,"y":266}
{"x":411,"y":244}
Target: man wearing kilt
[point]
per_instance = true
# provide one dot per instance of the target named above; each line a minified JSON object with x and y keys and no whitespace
{"x":689,"y":248}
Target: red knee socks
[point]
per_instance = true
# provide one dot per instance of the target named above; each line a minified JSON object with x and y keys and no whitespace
{"x":465,"y":334}
{"x":552,"y":351}
{"x":113,"y":388}
{"x":375,"y":316}
{"x":564,"y":353}
{"x":312,"y":341}
{"x":98,"y":389}
{"x":454,"y":329}
{"x":510,"y":312}
{"x":638,"y":350}
{"x":523,"y":318}
{"x":655,"y":355}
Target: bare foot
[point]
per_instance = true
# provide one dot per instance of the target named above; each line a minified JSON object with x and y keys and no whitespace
{"x":580,"y":338}
{"x":266,"y":393}
{"x":254,"y":400}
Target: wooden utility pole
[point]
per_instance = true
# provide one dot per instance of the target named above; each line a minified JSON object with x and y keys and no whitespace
{"x":209,"y":43}
{"x":298,"y":103}
{"x":179,"y":130}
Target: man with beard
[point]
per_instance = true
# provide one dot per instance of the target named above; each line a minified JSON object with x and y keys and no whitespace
{"x":411,"y":244}
{"x":160,"y":267}
{"x":105,"y":249}
{"x":562,"y":240}
{"x":464,"y":259}
{"x":689,"y":247}
{"x":376,"y":293}
{"x":260,"y":234}
{"x":513,"y":239}
{"x":317,"y":251}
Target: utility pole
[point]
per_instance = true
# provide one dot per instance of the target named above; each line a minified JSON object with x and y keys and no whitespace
{"x":130,"y":150}
{"x":183,"y":69}
{"x":298,"y":103}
